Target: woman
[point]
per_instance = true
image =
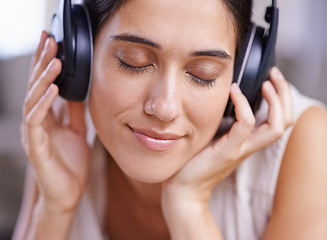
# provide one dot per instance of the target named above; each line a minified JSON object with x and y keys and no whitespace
{"x":156,"y":103}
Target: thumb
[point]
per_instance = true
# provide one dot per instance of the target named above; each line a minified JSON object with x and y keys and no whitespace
{"x":77,"y":117}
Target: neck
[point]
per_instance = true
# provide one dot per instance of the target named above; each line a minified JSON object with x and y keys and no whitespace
{"x":133,"y":205}
{"x":147,"y":193}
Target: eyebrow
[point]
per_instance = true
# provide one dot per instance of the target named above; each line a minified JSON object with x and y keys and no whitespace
{"x":213,"y":53}
{"x":136,"y":39}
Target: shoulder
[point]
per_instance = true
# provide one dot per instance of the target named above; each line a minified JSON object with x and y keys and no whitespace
{"x":307,"y":144}
{"x":310,"y":128}
{"x":300,"y":207}
{"x":306,"y":150}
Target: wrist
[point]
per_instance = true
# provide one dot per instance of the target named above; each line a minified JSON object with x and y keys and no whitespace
{"x":182,"y":204}
{"x":190,"y":220}
{"x":48,"y":223}
{"x":57,"y":205}
{"x":173,"y":192}
{"x":187,"y":213}
{"x":53,"y":212}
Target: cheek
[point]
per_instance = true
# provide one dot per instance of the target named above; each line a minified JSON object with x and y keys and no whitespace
{"x":206,"y":111}
{"x":106,"y":97}
{"x":111,"y":93}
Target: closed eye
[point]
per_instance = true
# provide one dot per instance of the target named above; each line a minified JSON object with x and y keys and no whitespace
{"x":200,"y":81}
{"x":133,"y":69}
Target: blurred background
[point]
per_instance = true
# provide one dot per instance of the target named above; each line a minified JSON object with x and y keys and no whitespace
{"x":301,"y":54}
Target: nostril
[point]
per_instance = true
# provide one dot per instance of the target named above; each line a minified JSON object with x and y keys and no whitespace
{"x":149,"y":108}
{"x":164,"y":110}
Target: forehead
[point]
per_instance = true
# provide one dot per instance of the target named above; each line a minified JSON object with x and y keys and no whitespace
{"x":188,"y":23}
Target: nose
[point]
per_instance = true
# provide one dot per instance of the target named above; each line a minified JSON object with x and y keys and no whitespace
{"x":164,"y":99}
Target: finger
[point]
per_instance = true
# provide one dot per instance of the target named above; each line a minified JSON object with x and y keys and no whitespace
{"x":274,"y":127}
{"x":283,"y":89}
{"x":76,"y":117}
{"x":37,"y":115}
{"x":36,"y":56}
{"x":275,"y":116}
{"x":245,"y":120}
{"x":35,"y":122}
{"x":48,"y":53}
{"x":41,"y":85}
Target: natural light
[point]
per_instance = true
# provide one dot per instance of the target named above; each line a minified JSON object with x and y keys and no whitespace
{"x":21,"y":23}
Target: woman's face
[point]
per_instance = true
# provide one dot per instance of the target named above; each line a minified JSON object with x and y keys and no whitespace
{"x":161,"y":80}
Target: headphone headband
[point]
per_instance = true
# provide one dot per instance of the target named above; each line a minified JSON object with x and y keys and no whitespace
{"x":69,"y":38}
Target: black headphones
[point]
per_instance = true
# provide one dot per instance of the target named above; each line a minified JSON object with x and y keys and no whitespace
{"x":255,"y":59}
{"x":72,"y":30}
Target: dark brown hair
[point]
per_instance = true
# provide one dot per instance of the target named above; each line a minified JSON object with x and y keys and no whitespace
{"x":101,"y":10}
{"x":239,"y":11}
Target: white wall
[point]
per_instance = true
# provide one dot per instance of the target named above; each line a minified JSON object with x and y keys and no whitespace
{"x":302,"y":47}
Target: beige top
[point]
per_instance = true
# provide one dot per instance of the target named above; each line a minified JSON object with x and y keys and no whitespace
{"x":241,"y":204}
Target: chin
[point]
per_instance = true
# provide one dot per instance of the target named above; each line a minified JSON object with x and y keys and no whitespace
{"x":149,"y":174}
{"x":150,"y":169}
{"x":149,"y":177}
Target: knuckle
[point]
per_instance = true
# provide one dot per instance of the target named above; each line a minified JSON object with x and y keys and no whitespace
{"x":26,"y":106}
{"x":248,"y":121}
{"x":289,"y":122}
{"x":233,"y":157}
{"x":31,"y":82}
{"x":278,"y":132}
{"x":29,"y":121}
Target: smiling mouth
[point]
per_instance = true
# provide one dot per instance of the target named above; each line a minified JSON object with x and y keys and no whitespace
{"x":154,"y":140}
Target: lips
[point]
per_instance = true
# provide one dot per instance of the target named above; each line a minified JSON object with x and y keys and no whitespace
{"x":154,"y":140}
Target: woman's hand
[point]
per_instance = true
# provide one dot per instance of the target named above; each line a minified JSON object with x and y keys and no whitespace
{"x":189,"y":191}
{"x":56,"y":147}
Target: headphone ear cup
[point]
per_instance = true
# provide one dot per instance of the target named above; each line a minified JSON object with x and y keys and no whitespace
{"x":72,"y":27}
{"x":75,"y":87}
{"x":246,"y":67}
{"x":250,"y":84}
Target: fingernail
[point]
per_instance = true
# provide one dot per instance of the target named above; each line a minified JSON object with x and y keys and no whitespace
{"x":269,"y":86}
{"x":51,"y":65}
{"x":277,"y":73}
{"x":236,"y":88}
{"x":49,"y":91}
{"x":47,"y":44}
{"x":43,"y":35}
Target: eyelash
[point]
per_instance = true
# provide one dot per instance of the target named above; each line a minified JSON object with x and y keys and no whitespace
{"x":203,"y":83}
{"x":126,"y":67}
